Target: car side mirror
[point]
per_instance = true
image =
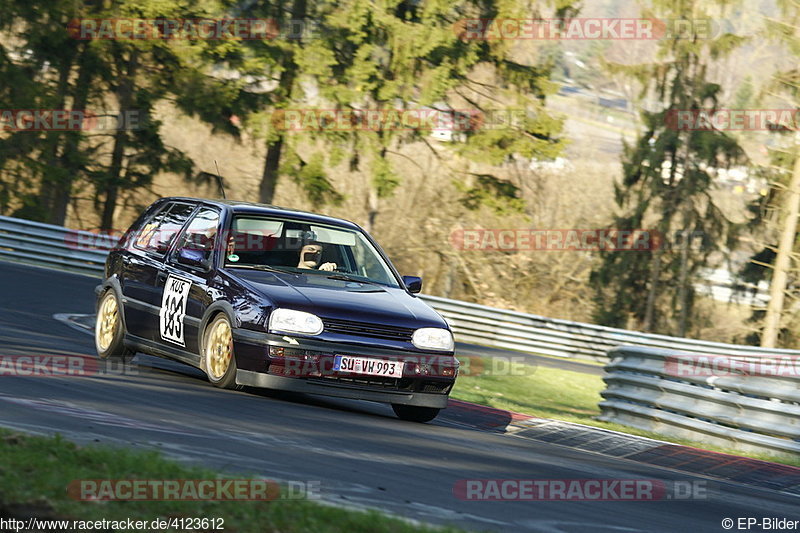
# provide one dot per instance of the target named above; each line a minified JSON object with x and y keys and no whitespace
{"x":413,"y":283}
{"x":194,"y":258}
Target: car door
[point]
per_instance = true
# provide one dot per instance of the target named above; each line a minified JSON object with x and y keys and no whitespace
{"x":136,"y":272}
{"x":143,"y":265}
{"x":185,"y":285}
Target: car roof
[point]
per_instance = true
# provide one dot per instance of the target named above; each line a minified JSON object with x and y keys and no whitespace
{"x":253,"y":208}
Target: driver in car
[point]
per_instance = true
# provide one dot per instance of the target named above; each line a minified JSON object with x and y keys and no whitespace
{"x":310,"y":257}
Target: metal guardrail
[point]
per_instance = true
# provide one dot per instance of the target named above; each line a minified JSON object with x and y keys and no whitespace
{"x":34,"y":242}
{"x":549,"y":336}
{"x":85,"y":252}
{"x":750,"y":403}
{"x":749,"y":413}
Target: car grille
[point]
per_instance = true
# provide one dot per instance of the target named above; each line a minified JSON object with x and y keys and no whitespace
{"x":378,"y":331}
{"x":370,"y":381}
{"x":437,"y":387}
{"x":395,"y":384}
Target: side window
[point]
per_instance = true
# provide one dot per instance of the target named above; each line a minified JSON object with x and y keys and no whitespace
{"x":141,"y":236}
{"x":201,"y":233}
{"x":135,"y":230}
{"x":369,"y":267}
{"x":157,"y":235}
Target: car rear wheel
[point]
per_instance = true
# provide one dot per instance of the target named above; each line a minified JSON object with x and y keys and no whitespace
{"x":220,"y":361}
{"x":108,"y":329}
{"x":414,"y":413}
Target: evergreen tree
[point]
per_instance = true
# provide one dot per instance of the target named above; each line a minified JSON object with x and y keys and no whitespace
{"x":777,"y":261}
{"x":136,"y":74}
{"x":39,"y":59}
{"x":387,"y":56}
{"x":667,"y":183}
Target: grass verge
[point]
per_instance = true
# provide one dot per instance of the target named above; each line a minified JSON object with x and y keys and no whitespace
{"x":36,"y":471}
{"x":563,"y":395}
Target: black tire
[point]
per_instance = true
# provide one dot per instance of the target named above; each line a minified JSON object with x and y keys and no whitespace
{"x":109,"y":330}
{"x":226,"y":380}
{"x":414,"y":413}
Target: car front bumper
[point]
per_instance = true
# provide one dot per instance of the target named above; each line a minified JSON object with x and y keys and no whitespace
{"x":305,"y":365}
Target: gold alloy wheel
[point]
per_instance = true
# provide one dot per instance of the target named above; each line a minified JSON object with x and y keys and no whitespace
{"x":219,"y":349}
{"x":107,"y":319}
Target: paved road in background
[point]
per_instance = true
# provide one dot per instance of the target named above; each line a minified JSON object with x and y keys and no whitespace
{"x":360,"y":453}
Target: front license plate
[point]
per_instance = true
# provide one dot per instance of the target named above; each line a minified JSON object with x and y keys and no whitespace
{"x":368,"y":366}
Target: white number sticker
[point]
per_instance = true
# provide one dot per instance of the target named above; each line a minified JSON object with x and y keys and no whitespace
{"x":173,"y":309}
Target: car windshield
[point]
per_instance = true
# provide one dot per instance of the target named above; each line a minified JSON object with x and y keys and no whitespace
{"x":300,"y":247}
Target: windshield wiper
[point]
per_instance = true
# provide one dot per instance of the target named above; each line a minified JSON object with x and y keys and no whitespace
{"x":266,"y":268}
{"x":345,"y":277}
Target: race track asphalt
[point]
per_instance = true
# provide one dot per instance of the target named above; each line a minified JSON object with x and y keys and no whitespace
{"x":359,"y":452}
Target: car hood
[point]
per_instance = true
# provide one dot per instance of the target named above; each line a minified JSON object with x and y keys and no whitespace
{"x":331,"y":298}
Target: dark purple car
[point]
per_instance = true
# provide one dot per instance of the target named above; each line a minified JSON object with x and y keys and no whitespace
{"x":262,"y":296}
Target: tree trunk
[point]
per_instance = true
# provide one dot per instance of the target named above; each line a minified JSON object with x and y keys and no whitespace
{"x":777,"y":288}
{"x":683,"y":286}
{"x":269,"y":178}
{"x":650,"y":304}
{"x":127,"y":71}
{"x":670,"y":208}
{"x":70,"y":154}
{"x":655,"y":267}
{"x":51,"y":178}
{"x":372,"y":209}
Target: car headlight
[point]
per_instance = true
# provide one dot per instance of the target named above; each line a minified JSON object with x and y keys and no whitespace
{"x":291,"y":321}
{"x":433,"y":339}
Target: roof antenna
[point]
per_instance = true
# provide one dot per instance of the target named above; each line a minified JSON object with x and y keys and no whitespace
{"x":219,"y":181}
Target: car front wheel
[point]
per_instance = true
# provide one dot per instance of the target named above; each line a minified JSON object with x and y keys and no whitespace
{"x":108,"y":329}
{"x":414,"y":413}
{"x":220,"y":362}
